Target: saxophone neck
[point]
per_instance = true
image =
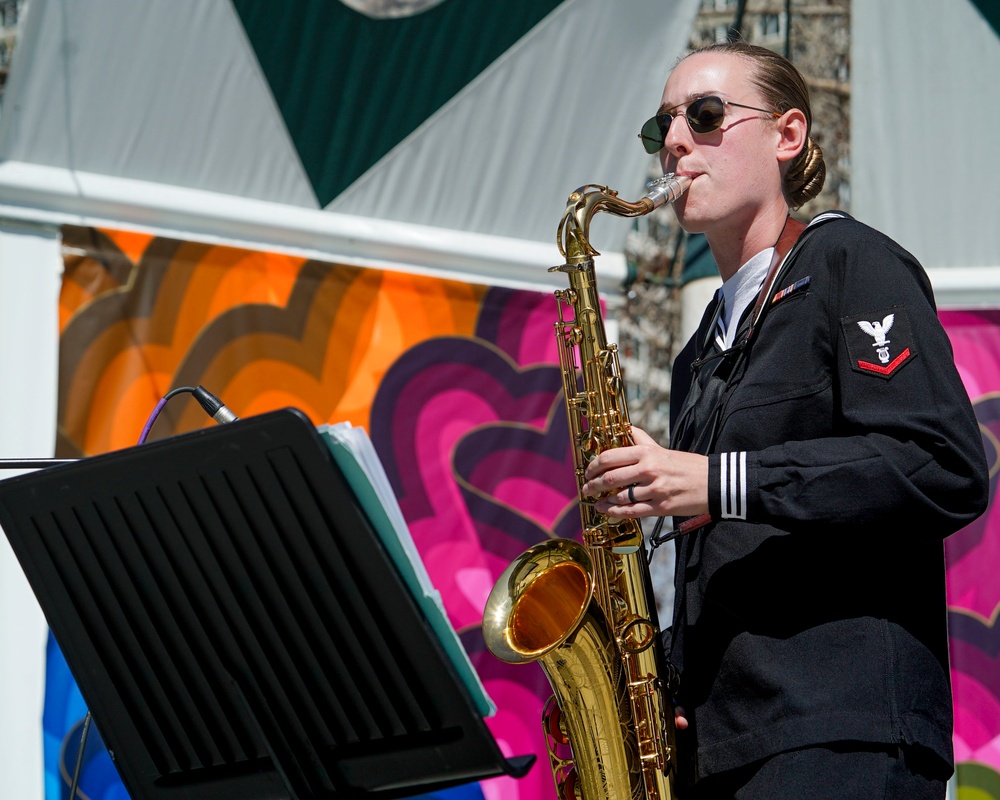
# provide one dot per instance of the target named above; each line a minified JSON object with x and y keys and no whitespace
{"x":585,"y":202}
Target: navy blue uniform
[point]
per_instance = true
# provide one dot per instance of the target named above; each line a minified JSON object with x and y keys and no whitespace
{"x":842,"y":450}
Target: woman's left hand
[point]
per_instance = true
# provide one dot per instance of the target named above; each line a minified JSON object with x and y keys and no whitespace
{"x":646,"y":480}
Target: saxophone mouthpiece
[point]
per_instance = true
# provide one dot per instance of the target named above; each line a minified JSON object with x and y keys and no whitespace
{"x":667,"y":189}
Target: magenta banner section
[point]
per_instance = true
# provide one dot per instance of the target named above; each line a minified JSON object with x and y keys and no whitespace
{"x":973,"y":574}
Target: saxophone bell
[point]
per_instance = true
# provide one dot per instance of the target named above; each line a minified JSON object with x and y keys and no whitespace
{"x":542,"y":609}
{"x":538,"y":601}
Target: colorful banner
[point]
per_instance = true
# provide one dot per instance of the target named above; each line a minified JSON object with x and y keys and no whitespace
{"x":456,"y":384}
{"x":973,"y":578}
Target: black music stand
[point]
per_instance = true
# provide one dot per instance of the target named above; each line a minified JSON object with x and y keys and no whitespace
{"x":237,"y":628}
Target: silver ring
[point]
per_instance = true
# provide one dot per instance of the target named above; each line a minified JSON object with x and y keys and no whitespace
{"x":631,"y":493}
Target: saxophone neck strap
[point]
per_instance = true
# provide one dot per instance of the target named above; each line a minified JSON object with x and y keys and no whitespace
{"x":790,"y":233}
{"x":786,"y":241}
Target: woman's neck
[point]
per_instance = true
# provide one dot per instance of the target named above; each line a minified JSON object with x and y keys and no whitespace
{"x":732,"y":246}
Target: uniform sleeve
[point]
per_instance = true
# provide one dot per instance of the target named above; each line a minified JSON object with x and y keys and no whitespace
{"x":904,"y":446}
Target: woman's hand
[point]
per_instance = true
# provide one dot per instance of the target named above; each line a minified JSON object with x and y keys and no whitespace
{"x":646,"y":480}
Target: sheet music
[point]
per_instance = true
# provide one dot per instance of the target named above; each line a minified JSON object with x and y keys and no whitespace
{"x":357,"y":442}
{"x":355,"y":455}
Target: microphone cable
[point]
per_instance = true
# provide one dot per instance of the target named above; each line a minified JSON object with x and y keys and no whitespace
{"x":212,"y":405}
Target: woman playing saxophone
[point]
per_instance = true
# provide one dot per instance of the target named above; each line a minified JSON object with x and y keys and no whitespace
{"x":819,"y":422}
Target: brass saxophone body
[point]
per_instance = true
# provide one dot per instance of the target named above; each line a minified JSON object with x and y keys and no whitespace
{"x":586,"y":613}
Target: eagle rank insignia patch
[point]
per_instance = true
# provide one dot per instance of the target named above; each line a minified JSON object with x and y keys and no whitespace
{"x":879,"y":342}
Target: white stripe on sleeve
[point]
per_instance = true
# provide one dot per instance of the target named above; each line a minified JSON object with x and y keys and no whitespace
{"x":733,"y":488}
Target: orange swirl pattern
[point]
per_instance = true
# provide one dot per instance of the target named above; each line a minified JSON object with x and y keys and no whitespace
{"x":141,"y":315}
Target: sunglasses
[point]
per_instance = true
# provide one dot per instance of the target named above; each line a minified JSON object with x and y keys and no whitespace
{"x":704,"y":115}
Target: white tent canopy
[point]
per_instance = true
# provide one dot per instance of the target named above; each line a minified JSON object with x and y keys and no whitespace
{"x":924,"y":160}
{"x":170,"y":95}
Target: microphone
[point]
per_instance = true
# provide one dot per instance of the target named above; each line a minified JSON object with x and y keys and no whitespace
{"x":213,"y":406}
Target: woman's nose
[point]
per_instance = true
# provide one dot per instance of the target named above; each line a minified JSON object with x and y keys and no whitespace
{"x":678,"y":137}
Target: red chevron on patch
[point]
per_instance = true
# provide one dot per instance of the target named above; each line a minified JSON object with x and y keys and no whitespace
{"x":887,"y":369}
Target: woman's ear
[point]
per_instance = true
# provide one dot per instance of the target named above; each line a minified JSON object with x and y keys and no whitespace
{"x":792,"y":130}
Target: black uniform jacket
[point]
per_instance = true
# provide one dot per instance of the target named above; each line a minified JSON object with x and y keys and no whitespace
{"x":843,"y":450}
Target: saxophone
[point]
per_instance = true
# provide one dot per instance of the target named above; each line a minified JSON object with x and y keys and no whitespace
{"x":585,"y":613}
